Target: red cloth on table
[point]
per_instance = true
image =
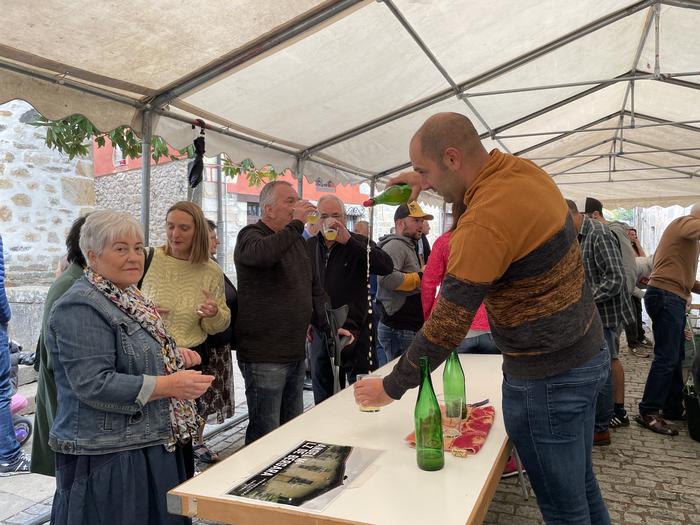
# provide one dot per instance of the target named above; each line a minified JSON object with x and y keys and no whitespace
{"x":472,"y":433}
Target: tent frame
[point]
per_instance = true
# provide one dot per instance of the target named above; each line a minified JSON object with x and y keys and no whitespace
{"x":157,"y":104}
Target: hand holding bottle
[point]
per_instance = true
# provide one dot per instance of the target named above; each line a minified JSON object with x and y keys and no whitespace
{"x":412,"y":179}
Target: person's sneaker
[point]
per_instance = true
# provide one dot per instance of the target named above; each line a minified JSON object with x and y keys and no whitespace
{"x":511,"y":468}
{"x":646,"y":343}
{"x":601,"y":438}
{"x":18,"y":466}
{"x":618,"y":421}
{"x":639,"y":351}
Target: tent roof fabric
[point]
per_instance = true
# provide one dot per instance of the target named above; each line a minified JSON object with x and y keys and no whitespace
{"x":603,"y":95}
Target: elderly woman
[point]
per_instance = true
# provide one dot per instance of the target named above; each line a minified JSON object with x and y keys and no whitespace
{"x":188,"y":288}
{"x":126,"y":415}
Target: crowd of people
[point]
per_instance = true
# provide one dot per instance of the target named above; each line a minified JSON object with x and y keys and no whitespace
{"x":135,"y":356}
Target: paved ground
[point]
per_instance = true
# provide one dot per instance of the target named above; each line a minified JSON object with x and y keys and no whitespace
{"x":646,"y":478}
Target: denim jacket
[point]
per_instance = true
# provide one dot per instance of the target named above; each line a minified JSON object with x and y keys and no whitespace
{"x":5,"y":312}
{"x":105,"y":366}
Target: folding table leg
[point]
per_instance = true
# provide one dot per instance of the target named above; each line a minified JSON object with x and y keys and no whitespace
{"x":521,"y":477}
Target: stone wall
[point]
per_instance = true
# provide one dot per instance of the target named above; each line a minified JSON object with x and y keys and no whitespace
{"x":41,"y":193}
{"x":122,"y":191}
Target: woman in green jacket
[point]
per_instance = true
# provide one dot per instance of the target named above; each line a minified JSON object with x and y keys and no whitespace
{"x":43,"y":459}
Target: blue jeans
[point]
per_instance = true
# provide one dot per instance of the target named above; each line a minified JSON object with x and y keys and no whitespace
{"x":481,"y":344}
{"x":604,"y":408}
{"x":378,"y":348}
{"x":664,"y":387}
{"x":550,"y":422}
{"x":274,"y":392}
{"x":395,"y":342}
{"x":9,"y":446}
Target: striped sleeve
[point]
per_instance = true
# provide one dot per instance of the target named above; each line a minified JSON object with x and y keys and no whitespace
{"x":478,"y":256}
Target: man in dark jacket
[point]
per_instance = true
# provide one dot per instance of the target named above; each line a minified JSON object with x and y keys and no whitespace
{"x":342,"y":267}
{"x":276,"y":293}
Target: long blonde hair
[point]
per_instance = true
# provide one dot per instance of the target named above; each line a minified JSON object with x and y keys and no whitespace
{"x":200,"y":241}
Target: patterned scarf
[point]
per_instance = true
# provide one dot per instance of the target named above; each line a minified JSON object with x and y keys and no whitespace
{"x":184,"y":419}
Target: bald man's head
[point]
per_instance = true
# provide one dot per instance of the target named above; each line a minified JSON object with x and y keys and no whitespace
{"x":447,"y":130}
{"x":447,"y":152}
{"x":695,"y":210}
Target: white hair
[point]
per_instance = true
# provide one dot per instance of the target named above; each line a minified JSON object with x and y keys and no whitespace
{"x":333,"y":198}
{"x":103,"y":227}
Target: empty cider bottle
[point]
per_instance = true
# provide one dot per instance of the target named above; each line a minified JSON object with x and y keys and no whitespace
{"x":429,"y":445}
{"x":455,"y":394}
{"x":394,"y":195}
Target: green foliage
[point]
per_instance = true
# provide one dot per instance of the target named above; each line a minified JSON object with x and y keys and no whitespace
{"x":72,"y":135}
{"x":256,"y":177}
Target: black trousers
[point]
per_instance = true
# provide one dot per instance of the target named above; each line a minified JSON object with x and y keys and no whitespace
{"x":635,"y":331}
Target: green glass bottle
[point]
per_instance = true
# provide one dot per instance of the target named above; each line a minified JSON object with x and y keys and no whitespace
{"x":394,"y":195}
{"x":429,"y":446}
{"x":455,"y":394}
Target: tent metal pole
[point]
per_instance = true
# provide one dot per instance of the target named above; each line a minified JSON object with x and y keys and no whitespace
{"x":672,"y":79}
{"x":573,"y":155}
{"x":554,"y":139}
{"x":372,"y":190}
{"x":657,"y":167}
{"x":654,"y":125}
{"x":300,"y":180}
{"x":226,"y":131}
{"x":63,"y":81}
{"x":428,"y":53}
{"x":221,"y":248}
{"x":635,"y":64}
{"x":418,"y":40}
{"x":657,"y":20}
{"x":686,"y":4}
{"x":591,"y":172}
{"x":253,"y":50}
{"x":146,"y":131}
{"x":488,"y":75}
{"x":578,"y":182}
{"x":625,"y":78}
{"x":679,"y":151}
{"x":680,"y":124}
{"x":567,"y":171}
{"x":627,"y":154}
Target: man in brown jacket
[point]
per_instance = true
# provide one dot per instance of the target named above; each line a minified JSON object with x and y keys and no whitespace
{"x":670,"y":286}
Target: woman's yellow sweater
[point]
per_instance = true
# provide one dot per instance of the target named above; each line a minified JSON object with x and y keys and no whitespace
{"x":178,"y":285}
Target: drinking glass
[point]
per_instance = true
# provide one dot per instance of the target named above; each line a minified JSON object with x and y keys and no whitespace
{"x":330,"y":232}
{"x":364,"y":408}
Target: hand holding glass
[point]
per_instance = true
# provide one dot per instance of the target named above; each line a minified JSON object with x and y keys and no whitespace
{"x":364,"y":408}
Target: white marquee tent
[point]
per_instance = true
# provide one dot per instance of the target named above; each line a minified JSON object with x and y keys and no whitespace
{"x":602,"y":93}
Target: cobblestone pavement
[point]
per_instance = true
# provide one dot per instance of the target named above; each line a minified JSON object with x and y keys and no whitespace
{"x":645,"y":478}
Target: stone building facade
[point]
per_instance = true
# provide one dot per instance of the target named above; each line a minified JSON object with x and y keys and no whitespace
{"x":41,"y":193}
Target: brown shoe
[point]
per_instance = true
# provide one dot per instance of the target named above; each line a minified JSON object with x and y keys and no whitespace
{"x":656,"y":423}
{"x":639,"y":351}
{"x":601,"y":438}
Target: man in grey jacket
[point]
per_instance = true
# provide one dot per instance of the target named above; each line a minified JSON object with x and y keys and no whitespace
{"x":398,"y":294}
{"x":594,"y":210}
